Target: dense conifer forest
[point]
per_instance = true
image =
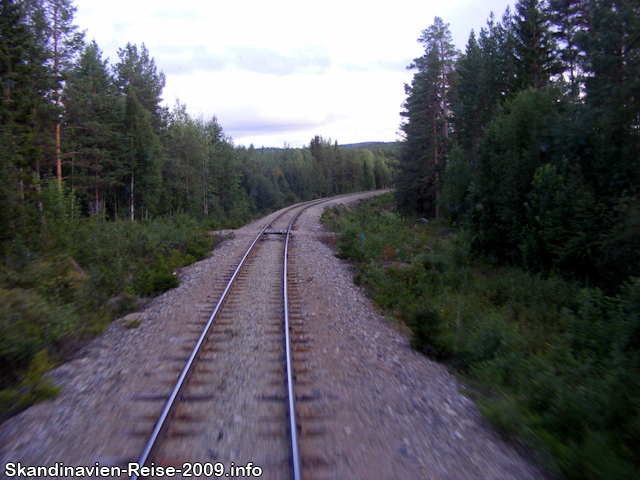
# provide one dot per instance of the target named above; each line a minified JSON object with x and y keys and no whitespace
{"x":531,"y":137}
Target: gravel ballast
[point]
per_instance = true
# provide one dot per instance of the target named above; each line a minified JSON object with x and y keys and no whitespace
{"x":388,"y":412}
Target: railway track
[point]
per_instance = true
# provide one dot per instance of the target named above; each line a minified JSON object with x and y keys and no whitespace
{"x":250,"y":350}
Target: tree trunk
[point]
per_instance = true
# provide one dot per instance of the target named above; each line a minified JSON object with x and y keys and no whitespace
{"x":204,"y":186}
{"x":58,"y":155}
{"x":131,"y":198}
{"x":55,"y":69}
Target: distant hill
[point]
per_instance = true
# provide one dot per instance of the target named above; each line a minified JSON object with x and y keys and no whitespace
{"x":395,"y":146}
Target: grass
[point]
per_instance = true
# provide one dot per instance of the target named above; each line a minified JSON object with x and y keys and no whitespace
{"x":552,"y":364}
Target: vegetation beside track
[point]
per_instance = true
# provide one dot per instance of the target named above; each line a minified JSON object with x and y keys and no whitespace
{"x":554,"y":365}
{"x":68,"y":278}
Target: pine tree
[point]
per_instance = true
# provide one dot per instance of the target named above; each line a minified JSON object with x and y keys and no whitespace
{"x":569,"y":19}
{"x":43,"y":84}
{"x":137,"y":70}
{"x":438,"y":38}
{"x":611,"y":62}
{"x":427,"y":125}
{"x":59,"y":42}
{"x":66,"y":42}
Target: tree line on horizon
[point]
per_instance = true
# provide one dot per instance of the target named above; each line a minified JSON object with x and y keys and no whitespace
{"x":100,"y":130}
{"x":531,"y":137}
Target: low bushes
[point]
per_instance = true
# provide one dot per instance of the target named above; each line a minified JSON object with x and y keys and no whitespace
{"x":551,"y":362}
{"x":62,"y":287}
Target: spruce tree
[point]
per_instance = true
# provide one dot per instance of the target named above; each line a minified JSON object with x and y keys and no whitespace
{"x":93,"y":112}
{"x":141,"y":84}
{"x":535,"y":45}
{"x":18,"y":100}
{"x":470,"y":96}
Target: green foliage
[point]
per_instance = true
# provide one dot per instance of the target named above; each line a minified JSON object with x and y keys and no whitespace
{"x":535,"y":47}
{"x":273,"y":177}
{"x":552,"y":363}
{"x":29,"y":323}
{"x":64,"y":285}
{"x":426,"y":128}
{"x":458,"y":178}
{"x":545,"y":117}
{"x":33,"y":388}
{"x":540,"y":203}
{"x":155,"y":279}
{"x":517,"y":143}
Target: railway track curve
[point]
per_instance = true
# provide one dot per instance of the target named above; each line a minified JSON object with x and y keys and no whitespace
{"x":267,"y":384}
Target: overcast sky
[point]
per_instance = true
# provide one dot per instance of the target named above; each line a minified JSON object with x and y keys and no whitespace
{"x":276,"y":71}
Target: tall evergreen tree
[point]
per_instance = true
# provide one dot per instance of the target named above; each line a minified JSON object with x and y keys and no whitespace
{"x":141,"y":84}
{"x":485,"y":80}
{"x":427,"y":125}
{"x":144,"y":149}
{"x":438,"y":38}
{"x":535,"y":44}
{"x":611,"y":47}
{"x":59,"y":42}
{"x":471,"y":100}
{"x":137,"y":70}
{"x":18,"y":100}
{"x":505,"y":34}
{"x":65,"y":43}
{"x":92,"y":116}
{"x":43,"y":84}
{"x":569,"y":19}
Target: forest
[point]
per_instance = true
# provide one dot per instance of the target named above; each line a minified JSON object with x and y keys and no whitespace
{"x":105,"y":191}
{"x":531,"y":137}
{"x":525,"y":150}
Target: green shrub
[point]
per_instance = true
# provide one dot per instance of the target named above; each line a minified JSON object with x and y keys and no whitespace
{"x":32,"y":389}
{"x":430,"y":333}
{"x":29,"y":323}
{"x":553,"y":363}
{"x":65,"y":278}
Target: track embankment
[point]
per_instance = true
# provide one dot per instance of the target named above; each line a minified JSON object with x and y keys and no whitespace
{"x":368,"y":406}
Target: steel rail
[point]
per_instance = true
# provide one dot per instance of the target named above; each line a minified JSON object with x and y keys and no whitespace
{"x":167,"y":413}
{"x":297,"y":470}
{"x":295,"y":449}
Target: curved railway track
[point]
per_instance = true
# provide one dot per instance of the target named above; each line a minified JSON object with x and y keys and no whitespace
{"x":262,"y":382}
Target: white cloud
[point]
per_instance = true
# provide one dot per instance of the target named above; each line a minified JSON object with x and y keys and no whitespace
{"x":284,"y":70}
